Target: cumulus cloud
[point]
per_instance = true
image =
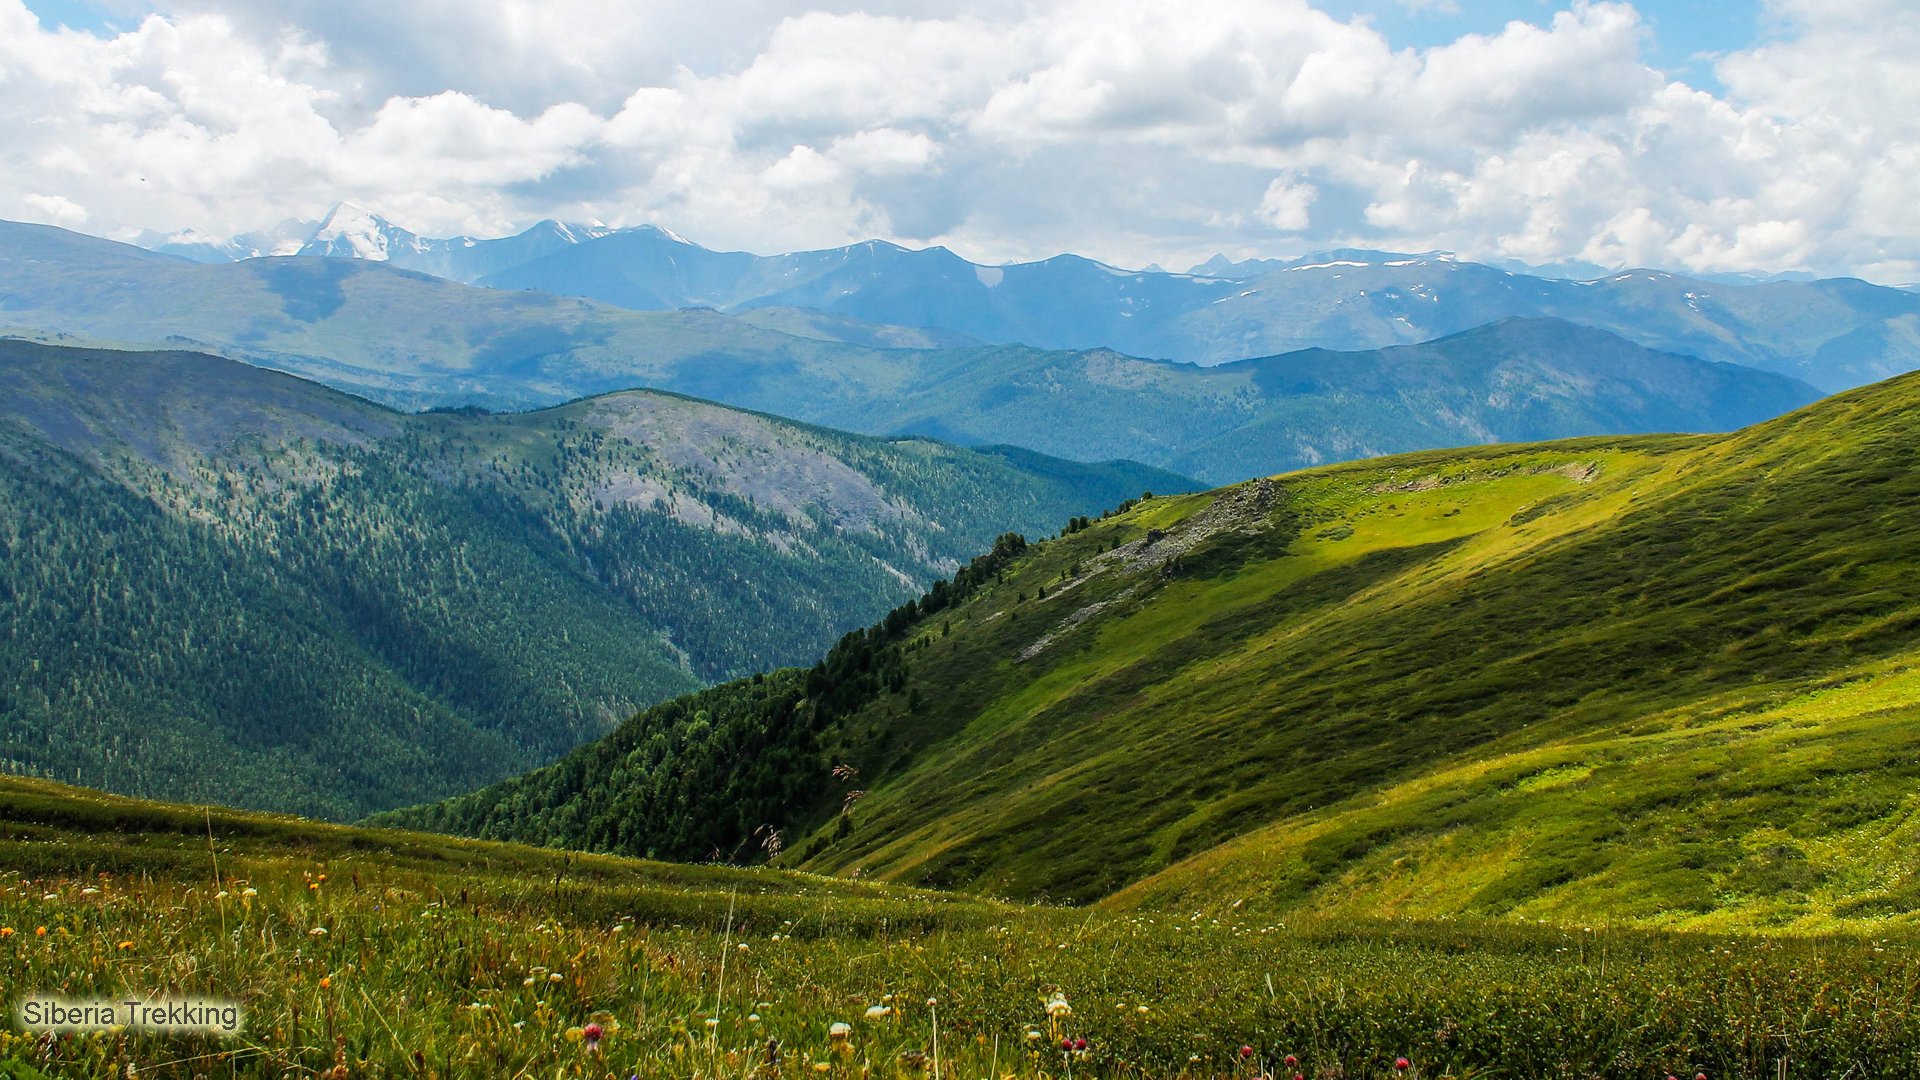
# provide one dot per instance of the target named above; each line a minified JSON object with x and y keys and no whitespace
{"x":1131,"y":130}
{"x":1286,"y":202}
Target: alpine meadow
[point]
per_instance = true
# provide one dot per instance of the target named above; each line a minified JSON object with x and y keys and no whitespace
{"x":1252,"y":540}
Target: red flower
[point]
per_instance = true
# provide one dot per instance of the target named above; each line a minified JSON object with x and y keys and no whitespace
{"x":1246,"y":1051}
{"x":1080,"y":1044}
{"x":1065,"y":1045}
{"x":592,"y":1033}
{"x":1402,"y":1064}
{"x":1291,"y":1060}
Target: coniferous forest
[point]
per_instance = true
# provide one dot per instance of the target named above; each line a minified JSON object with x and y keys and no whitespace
{"x":236,"y":586}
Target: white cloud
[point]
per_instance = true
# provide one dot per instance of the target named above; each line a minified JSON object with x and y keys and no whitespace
{"x":1131,"y":130}
{"x":1286,"y":202}
{"x":54,"y":210}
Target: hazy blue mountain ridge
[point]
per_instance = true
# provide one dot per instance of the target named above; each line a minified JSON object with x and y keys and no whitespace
{"x":413,"y":340}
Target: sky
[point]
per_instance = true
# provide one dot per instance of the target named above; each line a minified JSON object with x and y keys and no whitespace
{"x":1773,"y":135}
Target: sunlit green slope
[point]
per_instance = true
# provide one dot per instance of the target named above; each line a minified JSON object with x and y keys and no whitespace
{"x":1649,"y":678}
{"x":1656,"y":678}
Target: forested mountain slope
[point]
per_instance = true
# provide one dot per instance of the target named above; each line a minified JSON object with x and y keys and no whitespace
{"x":226,"y":583}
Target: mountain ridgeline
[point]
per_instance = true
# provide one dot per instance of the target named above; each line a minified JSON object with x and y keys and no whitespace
{"x":1662,"y":678}
{"x":228,"y":584}
{"x":1834,"y":333}
{"x":414,"y":341}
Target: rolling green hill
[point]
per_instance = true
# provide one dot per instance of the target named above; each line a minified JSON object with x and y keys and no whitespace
{"x":1660,"y":679}
{"x":414,"y":341}
{"x":225,"y":583}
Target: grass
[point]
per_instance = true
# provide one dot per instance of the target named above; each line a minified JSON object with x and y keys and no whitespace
{"x":1654,"y":680}
{"x":452,"y":958}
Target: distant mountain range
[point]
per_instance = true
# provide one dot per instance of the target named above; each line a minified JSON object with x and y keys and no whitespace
{"x":354,"y":232}
{"x":1833,"y":334}
{"x":413,"y":340}
{"x":1664,"y":679}
{"x":225,"y":583}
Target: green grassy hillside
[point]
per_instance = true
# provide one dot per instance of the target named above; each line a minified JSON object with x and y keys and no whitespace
{"x":1650,"y":679}
{"x":357,"y":952}
{"x":224,"y":583}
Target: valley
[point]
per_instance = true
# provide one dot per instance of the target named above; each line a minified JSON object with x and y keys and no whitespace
{"x":1309,"y":540}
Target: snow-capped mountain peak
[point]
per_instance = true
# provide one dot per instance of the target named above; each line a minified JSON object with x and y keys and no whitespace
{"x":352,"y":231}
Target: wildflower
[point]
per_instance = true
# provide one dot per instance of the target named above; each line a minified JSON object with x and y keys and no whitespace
{"x":221,"y":895}
{"x":39,"y":931}
{"x":1143,"y":1008}
{"x":6,"y":931}
{"x":839,"y":1031}
{"x":318,"y":931}
{"x":1057,"y":1006}
{"x":1401,"y":1064}
{"x":51,"y":896}
{"x":322,"y":877}
{"x":313,"y":886}
{"x":753,"y":1018}
{"x":1080,"y":1044}
{"x":89,"y":891}
{"x":556,"y":977}
{"x":1066,"y":1045}
{"x":125,"y":945}
{"x":712,"y":1022}
{"x":1292,"y":1061}
{"x":823,"y":1066}
{"x":931,"y":1002}
{"x":1246,"y":1051}
{"x":742,"y":946}
{"x":593,"y":1033}
{"x":878,"y":1012}
{"x":1033,"y":1035}
{"x":249,"y":892}
{"x":528,"y":981}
